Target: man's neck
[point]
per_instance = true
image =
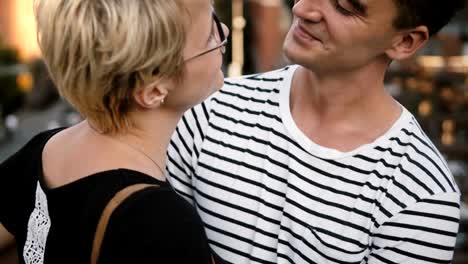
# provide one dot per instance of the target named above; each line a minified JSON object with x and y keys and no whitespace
{"x":342,"y":111}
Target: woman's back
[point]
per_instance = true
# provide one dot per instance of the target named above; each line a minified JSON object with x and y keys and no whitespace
{"x":77,"y":152}
{"x":152,"y":225}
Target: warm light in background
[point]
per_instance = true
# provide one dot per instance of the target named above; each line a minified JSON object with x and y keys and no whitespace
{"x":25,"y":29}
{"x":21,"y":31}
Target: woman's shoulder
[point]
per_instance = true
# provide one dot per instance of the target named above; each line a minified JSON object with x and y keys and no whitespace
{"x":19,"y":176}
{"x":158,"y":204}
{"x":156,"y":224}
{"x":30,"y":152}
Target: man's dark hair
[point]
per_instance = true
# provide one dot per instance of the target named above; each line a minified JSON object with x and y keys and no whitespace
{"x":434,"y":14}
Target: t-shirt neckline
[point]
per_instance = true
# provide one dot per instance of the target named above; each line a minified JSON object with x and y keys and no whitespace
{"x":308,"y":144}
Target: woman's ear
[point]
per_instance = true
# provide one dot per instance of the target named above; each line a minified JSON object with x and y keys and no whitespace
{"x":152,"y":95}
{"x":408,"y":42}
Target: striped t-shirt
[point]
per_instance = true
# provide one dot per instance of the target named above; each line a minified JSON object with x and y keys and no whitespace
{"x":268,"y":194}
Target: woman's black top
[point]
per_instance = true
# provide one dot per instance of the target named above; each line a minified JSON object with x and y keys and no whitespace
{"x":155,"y":225}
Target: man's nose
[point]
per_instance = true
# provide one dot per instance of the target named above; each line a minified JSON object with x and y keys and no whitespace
{"x":309,"y":10}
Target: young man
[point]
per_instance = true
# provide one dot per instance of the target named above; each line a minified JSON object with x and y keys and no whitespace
{"x":317,"y":163}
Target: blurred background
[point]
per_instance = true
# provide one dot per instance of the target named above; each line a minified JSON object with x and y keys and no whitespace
{"x":433,"y":85}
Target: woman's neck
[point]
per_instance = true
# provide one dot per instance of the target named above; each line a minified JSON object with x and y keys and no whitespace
{"x":151,"y":134}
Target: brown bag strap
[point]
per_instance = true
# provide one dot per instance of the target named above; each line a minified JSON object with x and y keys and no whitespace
{"x":106,"y":214}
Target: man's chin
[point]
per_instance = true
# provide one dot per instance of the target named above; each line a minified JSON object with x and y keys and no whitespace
{"x":294,"y":58}
{"x":289,"y":54}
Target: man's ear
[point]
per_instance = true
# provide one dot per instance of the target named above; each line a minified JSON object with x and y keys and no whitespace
{"x":153,"y":94}
{"x":408,"y":42}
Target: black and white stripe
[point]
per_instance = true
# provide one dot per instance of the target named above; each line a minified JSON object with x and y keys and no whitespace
{"x":268,"y":195}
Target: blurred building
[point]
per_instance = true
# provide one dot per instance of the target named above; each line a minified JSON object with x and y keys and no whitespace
{"x":258,"y":28}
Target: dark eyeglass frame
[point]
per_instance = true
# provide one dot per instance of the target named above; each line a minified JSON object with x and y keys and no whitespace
{"x":221,"y":45}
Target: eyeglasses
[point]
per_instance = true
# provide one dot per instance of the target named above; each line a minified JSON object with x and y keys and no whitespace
{"x":222,"y":37}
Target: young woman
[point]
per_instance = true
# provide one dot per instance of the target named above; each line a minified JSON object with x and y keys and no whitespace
{"x":131,"y":68}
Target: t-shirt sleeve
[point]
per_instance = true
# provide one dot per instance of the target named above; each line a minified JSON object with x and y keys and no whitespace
{"x":17,"y":185}
{"x":155,"y":227}
{"x":422,"y":233}
{"x":6,"y":208}
{"x":184,"y":149}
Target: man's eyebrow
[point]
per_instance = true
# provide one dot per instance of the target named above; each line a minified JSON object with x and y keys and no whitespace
{"x":359,"y":7}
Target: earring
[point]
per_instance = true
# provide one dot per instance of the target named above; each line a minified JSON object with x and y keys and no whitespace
{"x":162,"y":101}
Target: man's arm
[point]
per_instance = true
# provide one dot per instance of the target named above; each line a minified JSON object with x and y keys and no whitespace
{"x":185,"y":148}
{"x":7,"y":247}
{"x":424,"y":232}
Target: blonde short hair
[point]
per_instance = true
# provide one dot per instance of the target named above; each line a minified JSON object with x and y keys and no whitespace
{"x":99,"y":51}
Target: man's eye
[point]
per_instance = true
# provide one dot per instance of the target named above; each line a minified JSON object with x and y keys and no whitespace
{"x":344,"y":7}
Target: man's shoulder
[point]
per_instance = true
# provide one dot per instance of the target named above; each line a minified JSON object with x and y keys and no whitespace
{"x":266,"y":82}
{"x":413,"y":139}
{"x":421,"y":162}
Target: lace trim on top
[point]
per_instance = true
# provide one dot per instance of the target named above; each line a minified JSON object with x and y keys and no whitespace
{"x":38,"y":230}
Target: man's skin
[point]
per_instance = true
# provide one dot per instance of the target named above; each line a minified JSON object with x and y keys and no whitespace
{"x":338,"y":98}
